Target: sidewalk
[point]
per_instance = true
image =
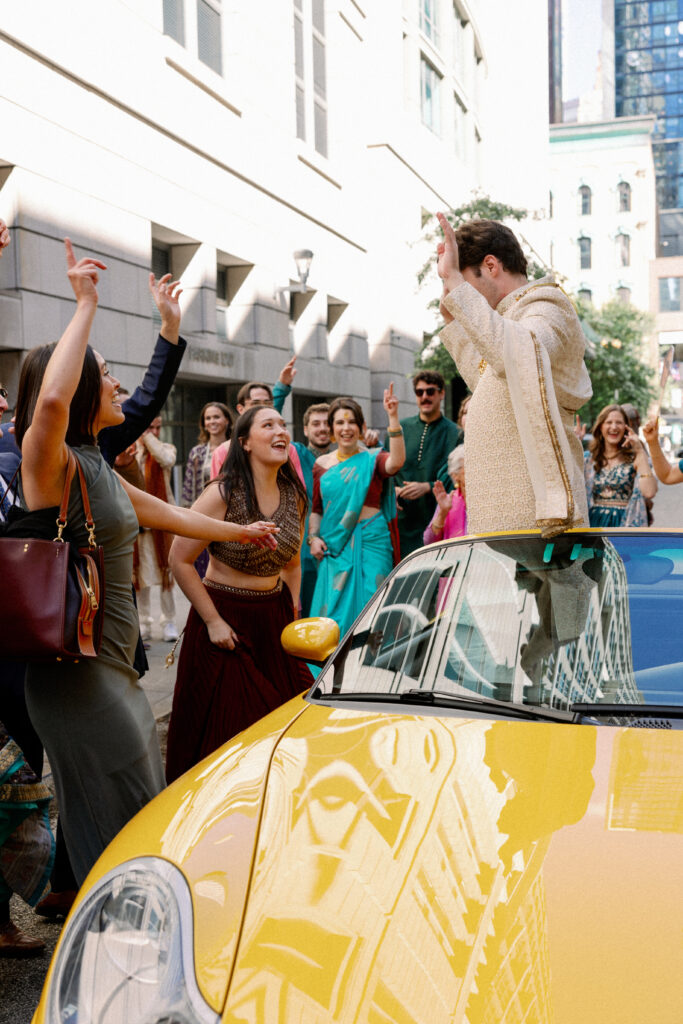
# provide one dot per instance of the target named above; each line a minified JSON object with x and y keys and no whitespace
{"x":158,"y":682}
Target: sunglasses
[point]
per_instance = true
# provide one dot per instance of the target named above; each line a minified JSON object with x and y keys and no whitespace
{"x":4,"y":393}
{"x":430,"y":392}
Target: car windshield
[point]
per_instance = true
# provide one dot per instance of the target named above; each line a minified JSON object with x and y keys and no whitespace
{"x":586,"y":618}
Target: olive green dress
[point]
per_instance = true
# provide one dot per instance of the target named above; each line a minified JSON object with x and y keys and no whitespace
{"x":93,"y":716}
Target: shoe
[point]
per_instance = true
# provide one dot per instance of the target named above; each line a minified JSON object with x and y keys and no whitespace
{"x":14,"y":942}
{"x":170,"y":632}
{"x":145,"y":634}
{"x":56,"y":904}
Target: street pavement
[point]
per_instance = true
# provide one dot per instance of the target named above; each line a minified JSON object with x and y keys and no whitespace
{"x":21,"y":980}
{"x":668,"y":507}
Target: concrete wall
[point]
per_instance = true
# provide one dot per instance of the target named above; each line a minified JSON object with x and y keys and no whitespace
{"x":116,"y":134}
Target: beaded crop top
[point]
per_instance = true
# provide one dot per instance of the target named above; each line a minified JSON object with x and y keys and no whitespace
{"x":250,"y":559}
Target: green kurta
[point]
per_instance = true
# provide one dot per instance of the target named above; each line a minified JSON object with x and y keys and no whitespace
{"x":428,"y":446}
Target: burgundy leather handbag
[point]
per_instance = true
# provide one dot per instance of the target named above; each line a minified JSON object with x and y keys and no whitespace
{"x":51,"y":591}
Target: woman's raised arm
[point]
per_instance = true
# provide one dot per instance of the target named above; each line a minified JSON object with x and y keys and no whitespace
{"x":43,"y":449}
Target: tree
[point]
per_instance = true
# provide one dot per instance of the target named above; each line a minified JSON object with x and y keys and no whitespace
{"x":433,"y":355}
{"x":616,"y":369}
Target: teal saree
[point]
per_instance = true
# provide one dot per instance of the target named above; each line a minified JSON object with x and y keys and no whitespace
{"x":359,"y":553}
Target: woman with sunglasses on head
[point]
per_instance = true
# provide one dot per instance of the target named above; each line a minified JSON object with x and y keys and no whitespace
{"x":92,"y":715}
{"x":353,"y":506}
{"x":232,"y":668}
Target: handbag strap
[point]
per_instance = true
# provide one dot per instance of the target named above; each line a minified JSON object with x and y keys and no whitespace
{"x":73,"y":466}
{"x":64,"y":504}
{"x":89,"y":521}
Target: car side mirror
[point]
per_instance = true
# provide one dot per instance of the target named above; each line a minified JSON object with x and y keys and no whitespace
{"x":311,"y":639}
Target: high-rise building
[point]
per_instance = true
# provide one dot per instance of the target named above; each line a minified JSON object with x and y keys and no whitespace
{"x":555,"y":60}
{"x":648,"y":48}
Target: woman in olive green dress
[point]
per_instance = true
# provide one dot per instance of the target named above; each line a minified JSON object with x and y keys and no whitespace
{"x":92,"y":716}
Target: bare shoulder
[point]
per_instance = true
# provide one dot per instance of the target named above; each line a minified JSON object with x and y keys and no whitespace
{"x":210,"y":501}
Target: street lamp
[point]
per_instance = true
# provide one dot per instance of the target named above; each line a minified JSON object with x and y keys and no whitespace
{"x":303,"y":259}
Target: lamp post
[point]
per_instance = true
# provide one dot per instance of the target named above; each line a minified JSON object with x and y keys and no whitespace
{"x":303,"y":259}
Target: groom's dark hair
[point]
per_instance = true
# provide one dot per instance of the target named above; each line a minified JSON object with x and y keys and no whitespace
{"x":480,"y":238}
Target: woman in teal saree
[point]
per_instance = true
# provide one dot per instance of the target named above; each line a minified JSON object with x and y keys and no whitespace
{"x":353,"y":506}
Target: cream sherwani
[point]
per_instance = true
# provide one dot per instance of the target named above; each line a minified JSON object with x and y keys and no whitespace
{"x":521,"y":468}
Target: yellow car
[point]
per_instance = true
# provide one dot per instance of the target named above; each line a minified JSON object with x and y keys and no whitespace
{"x":475,"y":816}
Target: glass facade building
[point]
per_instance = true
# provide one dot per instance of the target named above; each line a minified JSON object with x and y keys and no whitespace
{"x":649,"y":80}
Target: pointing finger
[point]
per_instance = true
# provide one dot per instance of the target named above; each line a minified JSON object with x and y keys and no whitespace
{"x":70,"y":258}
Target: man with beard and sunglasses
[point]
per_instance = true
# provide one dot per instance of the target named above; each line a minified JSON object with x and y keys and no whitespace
{"x":429,"y":438}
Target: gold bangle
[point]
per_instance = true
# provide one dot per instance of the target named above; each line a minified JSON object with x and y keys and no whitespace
{"x":395,"y":433}
{"x":644,"y":476}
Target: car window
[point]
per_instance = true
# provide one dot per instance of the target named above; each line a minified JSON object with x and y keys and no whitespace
{"x":583,"y":618}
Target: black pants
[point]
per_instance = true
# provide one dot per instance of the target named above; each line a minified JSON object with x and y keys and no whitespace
{"x":15,"y":717}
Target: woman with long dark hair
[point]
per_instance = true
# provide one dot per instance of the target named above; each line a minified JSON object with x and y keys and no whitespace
{"x":92,"y":715}
{"x":617,"y":472}
{"x":232,"y":668}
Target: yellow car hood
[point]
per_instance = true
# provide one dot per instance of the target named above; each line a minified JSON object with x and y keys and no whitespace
{"x":432,"y":869}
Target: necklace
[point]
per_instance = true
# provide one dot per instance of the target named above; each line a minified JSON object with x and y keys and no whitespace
{"x":343,"y":458}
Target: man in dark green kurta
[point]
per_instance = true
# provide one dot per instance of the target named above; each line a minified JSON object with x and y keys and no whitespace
{"x":429,"y":438}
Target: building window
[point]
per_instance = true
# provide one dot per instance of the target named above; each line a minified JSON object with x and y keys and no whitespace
{"x":161,"y":264}
{"x":585,"y":253}
{"x":550,"y":205}
{"x":174,"y":20}
{"x":623,"y":250}
{"x":310,"y":74}
{"x":209,"y":47}
{"x":624,"y":193}
{"x":300,"y":85}
{"x":669,"y":294}
{"x":624,"y":294}
{"x":585,"y":294}
{"x":428,"y":22}
{"x":460,"y":127}
{"x":209,"y":40}
{"x":585,"y":200}
{"x":430,"y":83}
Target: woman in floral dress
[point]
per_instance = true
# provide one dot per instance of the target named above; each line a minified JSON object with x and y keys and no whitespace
{"x":617,"y":472}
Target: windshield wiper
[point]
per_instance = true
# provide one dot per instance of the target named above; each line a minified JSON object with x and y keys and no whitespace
{"x":626,"y":711}
{"x":440,"y":698}
{"x":461,"y":702}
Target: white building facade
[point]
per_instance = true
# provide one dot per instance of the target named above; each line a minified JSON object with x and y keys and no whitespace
{"x":214,"y":139}
{"x":603,"y":224}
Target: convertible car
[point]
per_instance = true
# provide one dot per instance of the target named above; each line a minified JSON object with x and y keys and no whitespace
{"x":474,"y":816}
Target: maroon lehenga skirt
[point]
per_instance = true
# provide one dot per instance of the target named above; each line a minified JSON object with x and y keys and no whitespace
{"x":219,"y":692}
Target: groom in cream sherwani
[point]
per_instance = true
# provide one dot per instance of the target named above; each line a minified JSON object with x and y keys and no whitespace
{"x":519,"y":346}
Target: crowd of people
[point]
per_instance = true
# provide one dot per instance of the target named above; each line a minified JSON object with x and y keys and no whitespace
{"x":268,"y":529}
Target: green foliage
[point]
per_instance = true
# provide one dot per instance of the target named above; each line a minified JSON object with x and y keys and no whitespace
{"x":617,"y":368}
{"x":432,"y":355}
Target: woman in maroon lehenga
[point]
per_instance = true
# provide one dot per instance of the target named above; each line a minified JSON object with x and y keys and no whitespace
{"x":232,"y":668}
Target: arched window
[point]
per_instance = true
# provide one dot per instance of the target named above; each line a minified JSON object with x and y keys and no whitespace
{"x":585,"y":253}
{"x":623,"y":249}
{"x":624,"y":193}
{"x":585,"y":294}
{"x":624,"y":294}
{"x":585,"y":200}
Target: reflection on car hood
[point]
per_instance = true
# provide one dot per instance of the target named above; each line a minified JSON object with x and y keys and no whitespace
{"x":415,"y":869}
